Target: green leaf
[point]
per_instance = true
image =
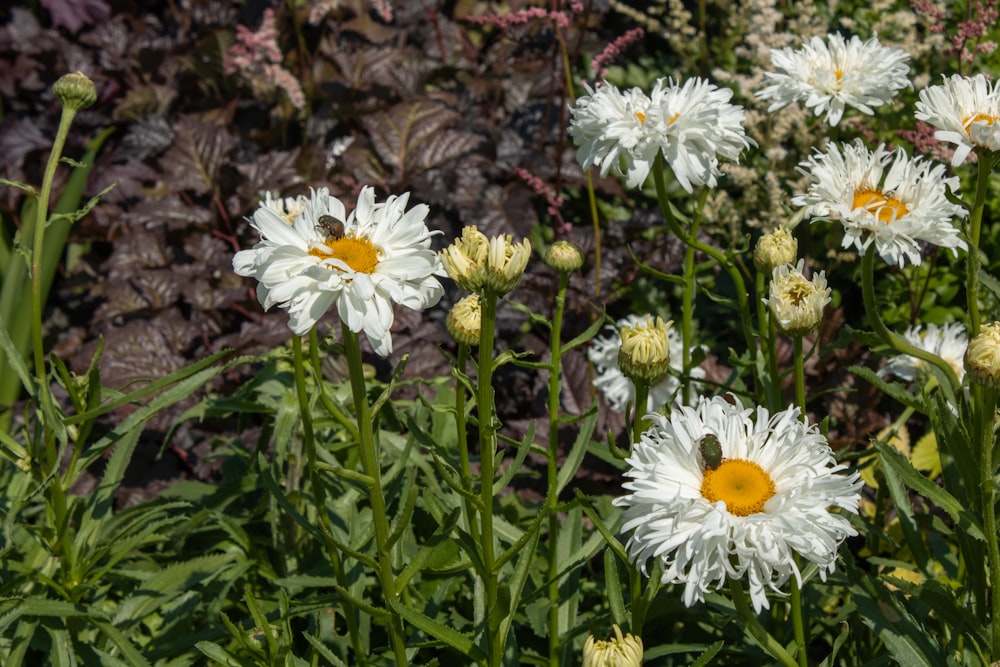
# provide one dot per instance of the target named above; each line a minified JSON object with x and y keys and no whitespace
{"x":439,"y":631}
{"x":613,"y":588}
{"x":893,"y":389}
{"x":128,"y":649}
{"x":707,"y":656}
{"x":894,"y":460}
{"x":20,"y":186}
{"x":522,"y":452}
{"x":590,"y":332}
{"x":575,"y":457}
{"x":324,"y":651}
{"x":218,"y":654}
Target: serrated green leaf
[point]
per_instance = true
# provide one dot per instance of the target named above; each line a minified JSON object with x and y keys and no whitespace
{"x":613,"y":588}
{"x":575,"y":457}
{"x":707,"y":656}
{"x":218,"y":654}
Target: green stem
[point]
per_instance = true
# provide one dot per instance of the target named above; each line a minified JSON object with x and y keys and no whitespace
{"x":319,"y":491}
{"x":720,"y":257}
{"x":487,"y":452}
{"x":753,"y":626}
{"x":800,"y":376}
{"x":893,"y":340}
{"x":462,"y":439}
{"x":984,"y":409}
{"x":552,"y":469}
{"x":769,"y":333}
{"x":324,"y":397}
{"x":687,"y":316}
{"x":641,"y":404}
{"x":370,"y":466}
{"x":797,"y":622}
{"x":986,"y":163}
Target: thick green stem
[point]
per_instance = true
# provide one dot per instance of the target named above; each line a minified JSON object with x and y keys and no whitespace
{"x":753,"y":626}
{"x":641,"y":405}
{"x":891,"y":339}
{"x":797,"y":623}
{"x":552,"y":494}
{"x":720,"y":257}
{"x":984,"y":410}
{"x":687,"y":317}
{"x":769,"y":335}
{"x":800,"y":376}
{"x":319,"y":491}
{"x":487,"y":452}
{"x":462,"y":440}
{"x":370,"y":466}
{"x":975,"y":228}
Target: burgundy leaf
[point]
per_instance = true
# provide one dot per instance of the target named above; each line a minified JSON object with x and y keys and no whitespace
{"x":74,"y":14}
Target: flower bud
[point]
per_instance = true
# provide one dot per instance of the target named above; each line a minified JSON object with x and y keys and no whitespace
{"x":645,"y":352}
{"x":505,"y":263}
{"x":75,"y":91}
{"x":620,"y":651}
{"x":465,"y":259}
{"x":797,"y":304}
{"x":982,"y":357}
{"x":774,"y":250}
{"x":465,"y":320}
{"x":563,"y":256}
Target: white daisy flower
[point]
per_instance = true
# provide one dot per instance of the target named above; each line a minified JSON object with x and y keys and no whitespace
{"x":948,"y":342}
{"x":363,"y":263}
{"x":618,"y":390}
{"x":797,"y":304}
{"x":691,"y":125}
{"x":609,"y":126}
{"x":745,"y":516}
{"x":829,"y":76}
{"x":882,"y":197}
{"x":966,"y":112}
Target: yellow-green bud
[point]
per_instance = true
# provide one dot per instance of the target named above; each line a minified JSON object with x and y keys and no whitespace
{"x":645,"y":352}
{"x":505,"y":263}
{"x":465,"y":259}
{"x":619,"y":651}
{"x":563,"y":256}
{"x":465,"y":320}
{"x":774,"y":250}
{"x":982,"y":357}
{"x":75,"y":91}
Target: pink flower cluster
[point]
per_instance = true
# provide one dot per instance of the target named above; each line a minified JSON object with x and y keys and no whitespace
{"x":257,"y":56}
{"x":599,"y":65}
{"x":522,"y":16}
{"x":971,"y":31}
{"x":924,"y":142}
{"x":554,"y":201}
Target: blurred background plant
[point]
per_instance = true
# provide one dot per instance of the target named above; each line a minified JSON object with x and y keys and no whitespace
{"x":204,"y":106}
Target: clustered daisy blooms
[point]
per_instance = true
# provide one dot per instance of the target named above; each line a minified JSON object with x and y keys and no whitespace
{"x":746,"y":516}
{"x":966,"y":111}
{"x":948,"y":341}
{"x":618,"y":390}
{"x":830,"y":76}
{"x":691,"y":124}
{"x":883,"y":198}
{"x":380,"y":256}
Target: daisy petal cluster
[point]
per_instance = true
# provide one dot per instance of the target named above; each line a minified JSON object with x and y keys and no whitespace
{"x":288,"y":208}
{"x":829,"y":76}
{"x":982,"y":358}
{"x":948,"y":342}
{"x":619,"y":651}
{"x":618,"y":390}
{"x":881,"y":197}
{"x":746,"y":517}
{"x":692,"y":125}
{"x":381,"y":256}
{"x":796,"y":303}
{"x":966,"y":111}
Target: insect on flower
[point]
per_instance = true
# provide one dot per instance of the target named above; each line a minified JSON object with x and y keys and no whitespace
{"x":334,"y":228}
{"x":711,"y":451}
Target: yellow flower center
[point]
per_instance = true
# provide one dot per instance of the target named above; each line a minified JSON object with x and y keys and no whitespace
{"x":356,"y":251}
{"x":641,"y":116}
{"x":743,"y":485}
{"x":978,"y":118}
{"x":886,"y":209}
{"x":673,"y":118}
{"x":797,"y":290}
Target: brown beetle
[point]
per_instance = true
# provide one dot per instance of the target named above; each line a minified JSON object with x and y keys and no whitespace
{"x":334,"y":228}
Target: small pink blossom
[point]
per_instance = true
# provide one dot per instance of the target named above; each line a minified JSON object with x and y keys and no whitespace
{"x":599,"y":65}
{"x":554,"y":201}
{"x":256,"y":56}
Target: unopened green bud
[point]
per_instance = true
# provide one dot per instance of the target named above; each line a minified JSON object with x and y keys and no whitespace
{"x":563,"y":256}
{"x":75,"y":91}
{"x":774,"y":250}
{"x":645,"y":352}
{"x":465,"y":320}
{"x":982,"y":357}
